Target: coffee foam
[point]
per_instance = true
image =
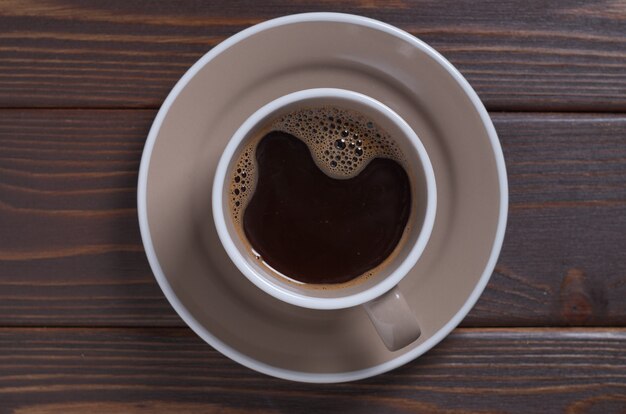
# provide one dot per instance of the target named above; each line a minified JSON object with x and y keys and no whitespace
{"x":342,"y":142}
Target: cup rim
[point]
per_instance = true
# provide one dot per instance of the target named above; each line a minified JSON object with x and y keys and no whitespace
{"x":290,"y":296}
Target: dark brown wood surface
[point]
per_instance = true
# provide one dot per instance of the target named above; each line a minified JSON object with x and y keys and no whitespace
{"x":76,"y":170}
{"x":142,"y":370}
{"x":85,"y":328}
{"x":521,"y":55}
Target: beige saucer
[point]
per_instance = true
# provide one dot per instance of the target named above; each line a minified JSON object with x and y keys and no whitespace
{"x":255,"y":67}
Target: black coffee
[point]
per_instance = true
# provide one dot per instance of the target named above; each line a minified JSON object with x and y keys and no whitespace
{"x":322,"y":198}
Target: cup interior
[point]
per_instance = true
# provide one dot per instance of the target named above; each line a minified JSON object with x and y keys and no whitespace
{"x":405,"y":255}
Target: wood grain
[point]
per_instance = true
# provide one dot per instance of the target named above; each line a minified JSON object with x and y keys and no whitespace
{"x":71,"y":254}
{"x":136,"y":370}
{"x":532,"y":55}
{"x":563,"y":260}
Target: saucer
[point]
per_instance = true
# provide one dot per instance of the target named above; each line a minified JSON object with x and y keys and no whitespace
{"x":223,"y":89}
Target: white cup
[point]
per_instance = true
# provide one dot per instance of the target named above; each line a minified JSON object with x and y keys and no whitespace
{"x":389,"y":312}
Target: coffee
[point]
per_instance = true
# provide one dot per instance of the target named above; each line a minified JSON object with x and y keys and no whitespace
{"x":321,"y":196}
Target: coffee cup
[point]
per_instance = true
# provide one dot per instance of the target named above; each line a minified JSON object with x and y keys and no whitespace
{"x":378,"y":291}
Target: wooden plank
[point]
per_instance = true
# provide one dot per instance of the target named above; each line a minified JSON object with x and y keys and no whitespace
{"x":70,"y":251}
{"x":563,"y":261}
{"x":139,"y":370}
{"x":532,"y":55}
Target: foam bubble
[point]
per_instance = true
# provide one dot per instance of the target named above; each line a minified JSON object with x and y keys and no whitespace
{"x":243,"y":180}
{"x":342,"y":142}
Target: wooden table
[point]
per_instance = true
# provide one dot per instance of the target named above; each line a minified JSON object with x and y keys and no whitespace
{"x":84,"y":326}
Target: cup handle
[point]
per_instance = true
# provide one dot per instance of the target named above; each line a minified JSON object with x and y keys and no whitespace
{"x":393,"y":319}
